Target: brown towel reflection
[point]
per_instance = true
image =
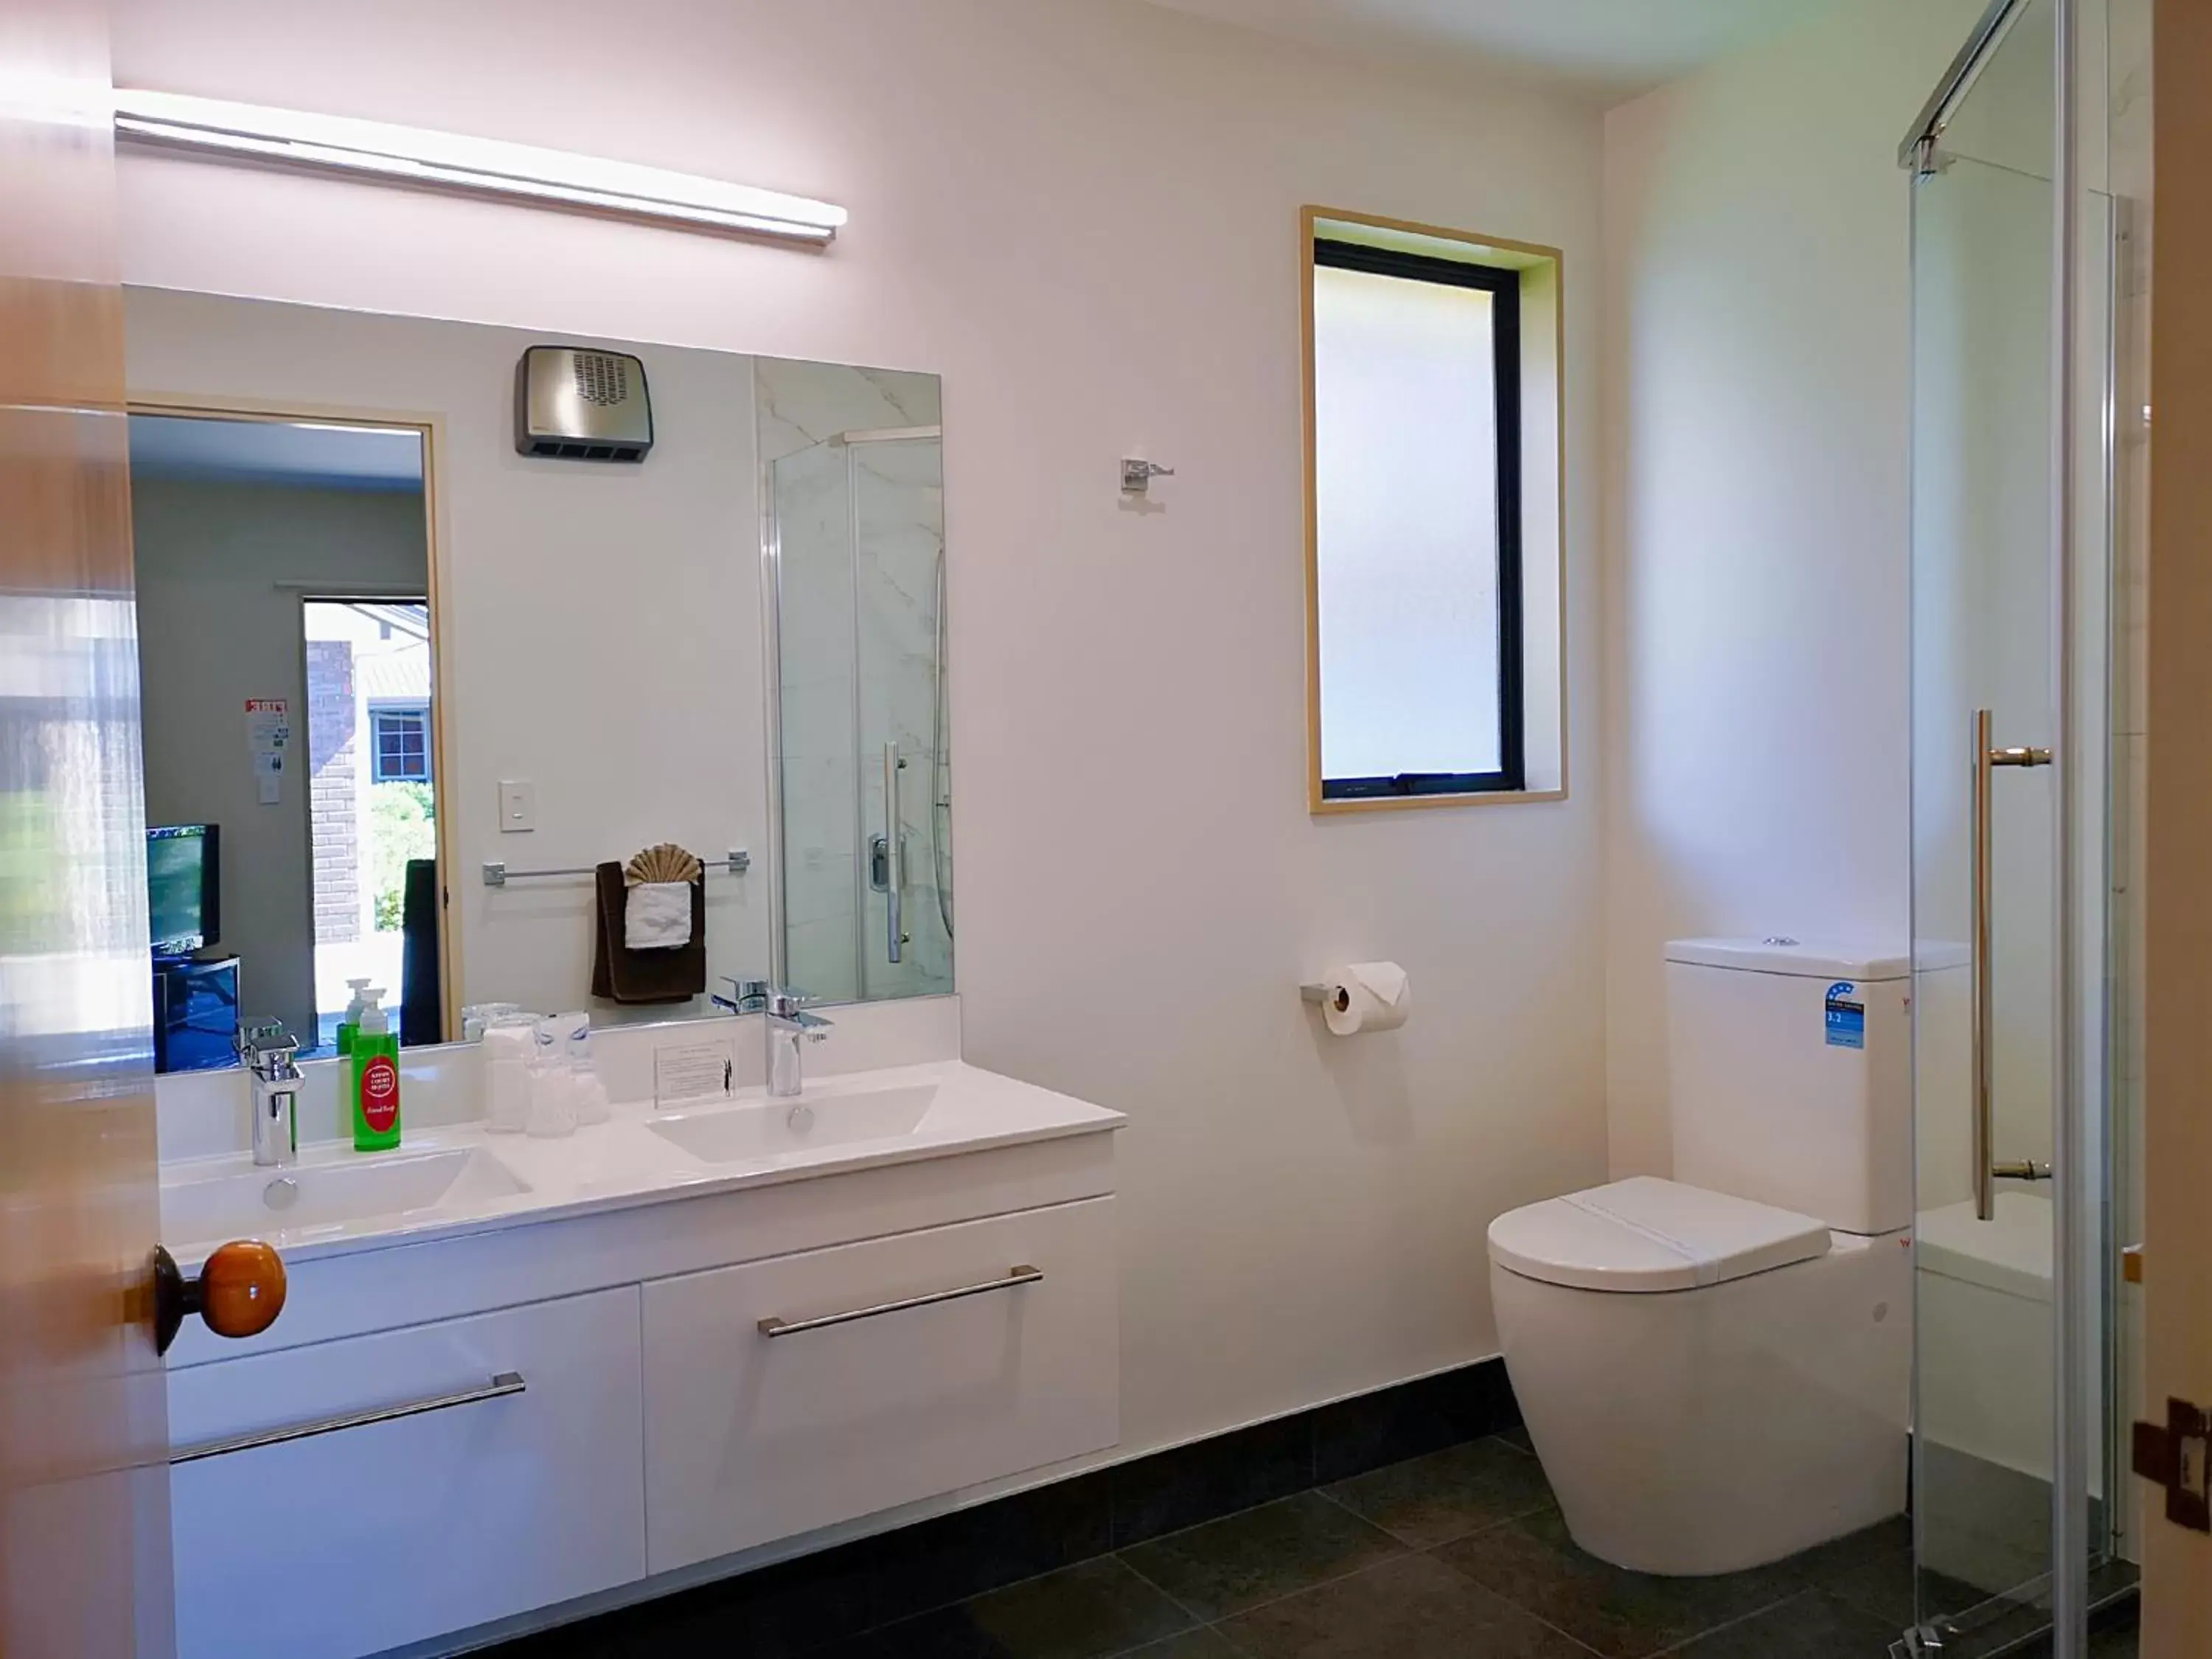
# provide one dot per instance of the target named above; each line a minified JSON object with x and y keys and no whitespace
{"x":621,"y":974}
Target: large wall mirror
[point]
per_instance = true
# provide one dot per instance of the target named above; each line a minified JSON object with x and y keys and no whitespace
{"x":449,"y":634}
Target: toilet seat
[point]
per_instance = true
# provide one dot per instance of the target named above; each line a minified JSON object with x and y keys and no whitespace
{"x":1645,"y":1234}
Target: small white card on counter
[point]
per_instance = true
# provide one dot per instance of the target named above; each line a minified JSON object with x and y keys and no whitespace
{"x":685,"y":1074}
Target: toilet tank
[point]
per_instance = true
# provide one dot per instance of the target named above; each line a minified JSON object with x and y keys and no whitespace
{"x":1790,"y":1067}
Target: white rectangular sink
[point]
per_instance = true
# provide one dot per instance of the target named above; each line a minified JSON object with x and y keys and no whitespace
{"x":777,"y":1128}
{"x":242,"y":1203}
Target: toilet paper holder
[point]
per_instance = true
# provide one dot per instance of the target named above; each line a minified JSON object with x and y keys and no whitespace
{"x":1326,"y":993}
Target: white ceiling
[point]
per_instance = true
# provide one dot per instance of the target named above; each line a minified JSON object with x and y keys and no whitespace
{"x":268,"y":452}
{"x":1607,"y":48}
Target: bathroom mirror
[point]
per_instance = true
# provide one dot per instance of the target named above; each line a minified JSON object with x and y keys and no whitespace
{"x":433,"y":626}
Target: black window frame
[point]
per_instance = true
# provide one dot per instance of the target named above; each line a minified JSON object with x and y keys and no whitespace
{"x":418,"y":713}
{"x":1504,"y":286}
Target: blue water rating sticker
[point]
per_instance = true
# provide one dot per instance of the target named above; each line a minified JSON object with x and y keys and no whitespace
{"x":1846,"y":1016}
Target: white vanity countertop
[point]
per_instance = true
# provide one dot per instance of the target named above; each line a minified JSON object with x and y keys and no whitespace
{"x":460,"y":1179}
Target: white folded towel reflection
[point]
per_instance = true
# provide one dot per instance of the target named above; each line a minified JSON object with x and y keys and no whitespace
{"x":657,"y":915}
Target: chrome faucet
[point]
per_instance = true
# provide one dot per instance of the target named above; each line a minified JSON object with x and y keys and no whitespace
{"x":789,"y":1027}
{"x":271,"y":1056}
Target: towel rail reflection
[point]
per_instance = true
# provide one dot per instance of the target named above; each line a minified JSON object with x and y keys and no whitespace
{"x":498,"y":875}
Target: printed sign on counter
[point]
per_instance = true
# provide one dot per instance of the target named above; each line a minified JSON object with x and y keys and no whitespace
{"x":684,"y":1074}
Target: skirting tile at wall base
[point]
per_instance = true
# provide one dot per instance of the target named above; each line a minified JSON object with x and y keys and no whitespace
{"x":809,"y":1599}
{"x":1167,"y":1490}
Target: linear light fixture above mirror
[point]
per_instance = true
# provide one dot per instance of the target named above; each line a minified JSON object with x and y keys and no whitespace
{"x":447,"y":161}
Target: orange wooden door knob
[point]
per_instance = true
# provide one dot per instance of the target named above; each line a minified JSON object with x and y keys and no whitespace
{"x":243,"y":1288}
{"x":239,"y":1292}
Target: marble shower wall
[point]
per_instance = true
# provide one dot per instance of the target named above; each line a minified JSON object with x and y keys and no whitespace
{"x":817,"y":659}
{"x":861,"y":533}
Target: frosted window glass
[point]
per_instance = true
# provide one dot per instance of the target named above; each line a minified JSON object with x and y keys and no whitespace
{"x":1406,"y":465}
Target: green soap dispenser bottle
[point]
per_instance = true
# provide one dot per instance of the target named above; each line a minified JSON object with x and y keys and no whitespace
{"x":374,"y":1073}
{"x":351,"y":1021}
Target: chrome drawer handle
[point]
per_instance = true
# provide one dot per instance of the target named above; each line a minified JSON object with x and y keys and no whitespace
{"x":506,"y":1383}
{"x":1021,"y":1275}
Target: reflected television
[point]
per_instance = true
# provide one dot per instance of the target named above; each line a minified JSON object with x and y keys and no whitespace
{"x":184,"y":887}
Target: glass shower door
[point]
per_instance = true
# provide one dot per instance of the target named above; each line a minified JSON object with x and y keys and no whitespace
{"x":1985,"y":884}
{"x":905,"y":942}
{"x":2008,"y":896}
{"x":864,"y":740}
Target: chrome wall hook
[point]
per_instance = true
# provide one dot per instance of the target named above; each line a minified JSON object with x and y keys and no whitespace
{"x":1137,"y":475}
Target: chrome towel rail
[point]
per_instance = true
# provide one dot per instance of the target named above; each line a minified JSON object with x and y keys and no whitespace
{"x":496,"y":874}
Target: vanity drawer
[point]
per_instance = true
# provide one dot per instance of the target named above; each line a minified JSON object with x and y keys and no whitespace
{"x":363,"y":1538}
{"x":858,"y":1408}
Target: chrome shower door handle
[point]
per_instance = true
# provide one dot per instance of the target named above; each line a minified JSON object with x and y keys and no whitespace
{"x":1982,"y":1151}
{"x":894,"y":858}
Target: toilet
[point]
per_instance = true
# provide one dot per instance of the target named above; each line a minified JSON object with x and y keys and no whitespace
{"x":1716,"y":1369}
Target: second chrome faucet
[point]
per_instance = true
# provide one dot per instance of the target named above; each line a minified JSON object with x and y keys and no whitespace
{"x":271,"y":1060}
{"x":789,"y":1026}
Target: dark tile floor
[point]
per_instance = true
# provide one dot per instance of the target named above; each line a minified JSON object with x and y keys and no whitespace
{"x":2120,"y":1638}
{"x":1459,"y":1553}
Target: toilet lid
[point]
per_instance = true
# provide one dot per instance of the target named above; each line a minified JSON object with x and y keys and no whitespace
{"x":1645,"y":1234}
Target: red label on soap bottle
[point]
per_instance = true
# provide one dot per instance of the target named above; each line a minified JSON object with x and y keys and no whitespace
{"x":379,"y":1094}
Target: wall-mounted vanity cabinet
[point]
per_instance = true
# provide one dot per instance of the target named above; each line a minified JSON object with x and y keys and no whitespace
{"x":478,"y":674}
{"x":598,"y":1398}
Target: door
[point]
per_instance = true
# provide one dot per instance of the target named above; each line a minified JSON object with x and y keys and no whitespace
{"x":1983,"y":857}
{"x":2010,"y":839}
{"x":84,"y":1563}
{"x":88,"y":1302}
{"x":2177,"y":1285}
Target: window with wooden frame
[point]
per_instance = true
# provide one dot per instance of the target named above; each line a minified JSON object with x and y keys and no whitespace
{"x":1433,"y":652}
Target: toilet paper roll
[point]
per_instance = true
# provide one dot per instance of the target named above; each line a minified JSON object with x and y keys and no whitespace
{"x":1367,"y":996}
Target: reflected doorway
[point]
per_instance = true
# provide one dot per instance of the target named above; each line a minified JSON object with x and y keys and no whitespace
{"x":371,"y":797}
{"x":288,"y":664}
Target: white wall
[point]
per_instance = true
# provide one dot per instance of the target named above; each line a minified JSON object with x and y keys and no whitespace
{"x":1085,"y":213}
{"x":600,"y":625}
{"x":215,"y":628}
{"x":1756,"y":391}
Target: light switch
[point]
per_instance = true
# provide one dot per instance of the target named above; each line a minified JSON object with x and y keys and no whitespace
{"x":518,"y":804}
